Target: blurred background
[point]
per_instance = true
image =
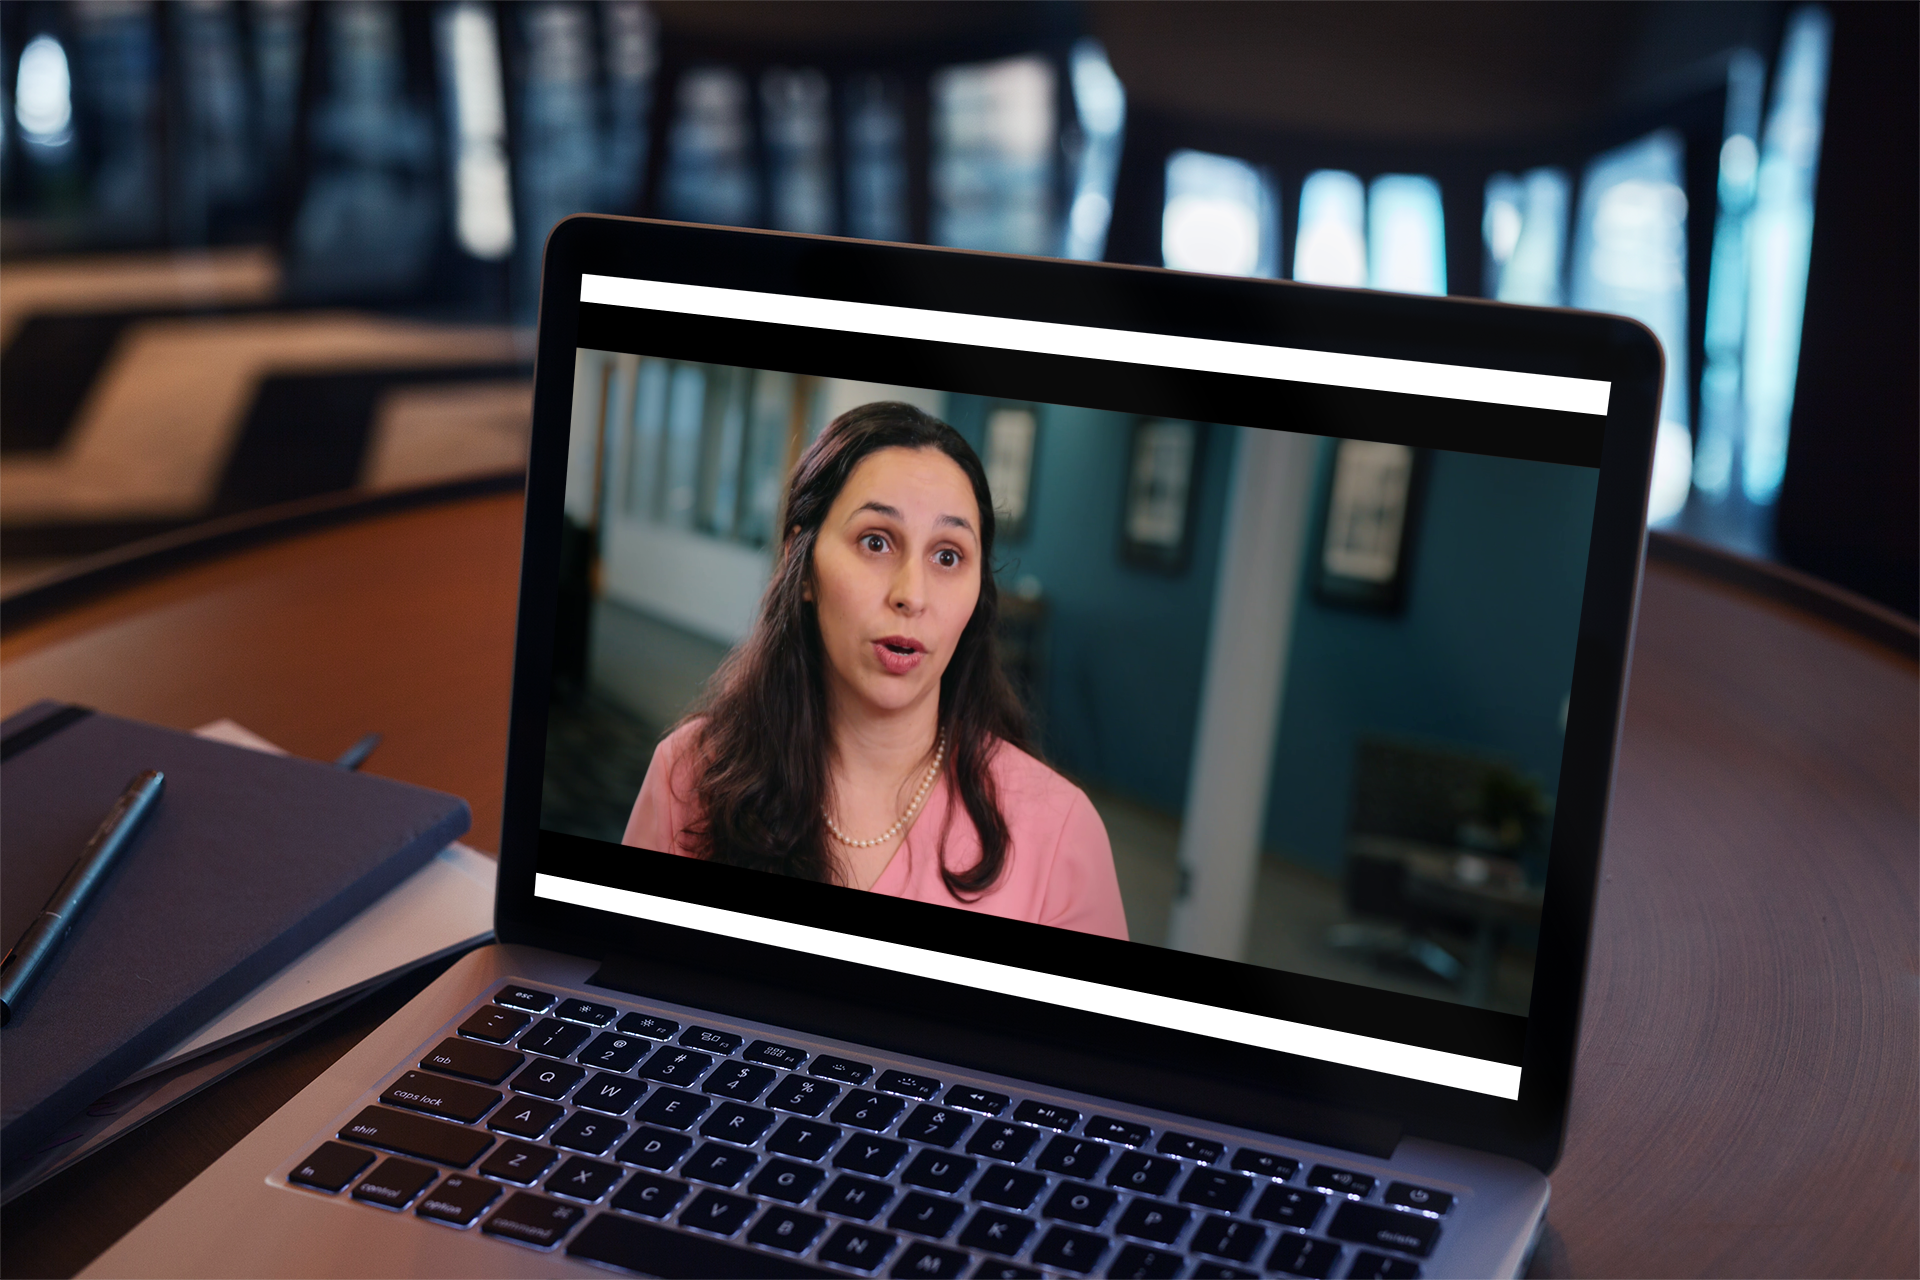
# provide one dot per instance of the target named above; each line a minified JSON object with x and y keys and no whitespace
{"x":265,"y":251}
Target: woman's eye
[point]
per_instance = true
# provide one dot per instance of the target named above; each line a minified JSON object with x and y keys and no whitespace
{"x":947,"y":557}
{"x":874,"y":543}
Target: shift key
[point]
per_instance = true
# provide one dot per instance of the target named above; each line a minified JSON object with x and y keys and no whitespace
{"x":439,"y":1096}
{"x":412,"y":1135}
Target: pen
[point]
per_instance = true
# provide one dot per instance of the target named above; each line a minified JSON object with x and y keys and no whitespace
{"x":33,"y":954}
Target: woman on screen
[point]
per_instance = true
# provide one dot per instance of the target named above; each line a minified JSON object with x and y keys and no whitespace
{"x":864,"y":733}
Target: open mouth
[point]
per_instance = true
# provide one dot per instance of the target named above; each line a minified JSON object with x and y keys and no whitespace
{"x":898,"y":654}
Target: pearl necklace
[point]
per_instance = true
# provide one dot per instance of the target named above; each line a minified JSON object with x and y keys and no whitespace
{"x":919,"y":798}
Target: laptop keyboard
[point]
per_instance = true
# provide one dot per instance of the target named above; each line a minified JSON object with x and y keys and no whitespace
{"x":639,"y":1142}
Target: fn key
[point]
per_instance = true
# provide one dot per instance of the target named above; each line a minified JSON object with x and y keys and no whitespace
{"x":332,"y":1167}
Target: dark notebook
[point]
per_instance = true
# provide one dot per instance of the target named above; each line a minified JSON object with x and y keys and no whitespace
{"x":247,"y":861}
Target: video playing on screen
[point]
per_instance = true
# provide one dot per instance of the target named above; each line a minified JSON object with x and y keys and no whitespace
{"x":1012,"y":657}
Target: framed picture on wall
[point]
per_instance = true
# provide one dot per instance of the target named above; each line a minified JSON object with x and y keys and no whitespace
{"x":1366,"y":535}
{"x":1011,"y":434}
{"x":1156,"y":520}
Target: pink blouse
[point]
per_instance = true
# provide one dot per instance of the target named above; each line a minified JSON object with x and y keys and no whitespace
{"x":1059,"y":868}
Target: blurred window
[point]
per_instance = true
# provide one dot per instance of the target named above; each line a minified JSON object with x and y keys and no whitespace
{"x":1630,"y":258}
{"x":631,"y":44}
{"x":213,"y":177}
{"x":1330,"y":246}
{"x":876,"y":159}
{"x":559,"y":168}
{"x":1525,"y":231}
{"x":798,"y":126}
{"x":1781,"y":244}
{"x":470,"y":61}
{"x":711,"y":175}
{"x":1100,"y":102}
{"x":43,"y":93}
{"x":116,"y":66}
{"x":278,"y":30}
{"x":994,"y":135}
{"x":1406,"y":235}
{"x":706,"y":448}
{"x":1219,"y":218}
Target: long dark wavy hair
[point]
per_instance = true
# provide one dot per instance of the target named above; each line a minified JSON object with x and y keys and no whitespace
{"x":761,"y":750}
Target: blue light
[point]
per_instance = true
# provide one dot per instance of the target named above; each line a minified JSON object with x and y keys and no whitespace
{"x":43,"y":93}
{"x":1406,"y":235}
{"x":1218,"y":216}
{"x":1331,"y":247}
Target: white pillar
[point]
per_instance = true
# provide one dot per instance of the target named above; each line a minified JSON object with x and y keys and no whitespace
{"x":1247,"y":647}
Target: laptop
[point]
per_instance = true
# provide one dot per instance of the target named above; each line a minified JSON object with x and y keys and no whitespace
{"x":1017,"y":767}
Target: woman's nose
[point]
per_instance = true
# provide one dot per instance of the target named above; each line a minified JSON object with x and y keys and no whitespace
{"x":908,"y":589}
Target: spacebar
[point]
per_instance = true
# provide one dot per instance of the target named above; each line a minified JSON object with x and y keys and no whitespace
{"x":656,"y":1251}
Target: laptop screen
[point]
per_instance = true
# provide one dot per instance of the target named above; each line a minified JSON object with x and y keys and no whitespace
{"x":1206,"y":685}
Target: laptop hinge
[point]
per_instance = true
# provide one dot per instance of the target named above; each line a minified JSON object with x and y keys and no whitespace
{"x":1058,"y":1064}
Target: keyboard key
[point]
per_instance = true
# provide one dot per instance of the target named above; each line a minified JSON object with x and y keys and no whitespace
{"x":1368,"y":1265}
{"x":994,"y":1269}
{"x":856,"y":1248}
{"x":583,"y":1179}
{"x":935,"y":1126}
{"x":656,"y":1250}
{"x":1075,"y":1157}
{"x":996,"y":1232}
{"x":1213,"y":1189}
{"x":1342,"y":1180}
{"x":807,"y":1097}
{"x":551,"y":1038}
{"x":613,"y":1051}
{"x":1069,"y":1250}
{"x":1141,"y":1263}
{"x":653,"y":1148}
{"x":1300,"y":1255}
{"x":472,"y":1061}
{"x":804,"y":1139}
{"x":718,"y":1212}
{"x":594,"y":1015}
{"x":1149,"y":1175}
{"x":649,"y":1194}
{"x":785,"y":1229}
{"x":331,"y":1167}
{"x":673,"y":1108}
{"x":1265,"y":1164}
{"x":912,"y":1086}
{"x":785,"y":1180}
{"x":526,"y":1117}
{"x":1426,"y":1201}
{"x":716,"y":1042}
{"x":1078,"y":1202}
{"x":736,"y":1123}
{"x":868,"y":1110}
{"x":413,"y":1135}
{"x":721,"y":1165}
{"x":1046,"y":1114}
{"x":439,"y":1096}
{"x":1007,"y":1186}
{"x":524,"y":998}
{"x":494,"y":1024}
{"x":1289,"y":1207}
{"x":645,"y":1024}
{"x":938,"y":1171}
{"x":395,"y":1182}
{"x":533,"y":1219}
{"x":459,"y":1199}
{"x":925,"y":1215}
{"x":775,"y":1055}
{"x":741,"y":1080}
{"x":584,"y":1131}
{"x":968,"y":1098}
{"x":841,"y":1069}
{"x":1384,"y":1228}
{"x":876,"y":1156}
{"x":855,"y":1198}
{"x":1188,"y":1147}
{"x":520,"y":1162}
{"x":1153,"y":1220}
{"x":1228,"y":1238}
{"x":1219,"y":1271}
{"x":998,"y":1140}
{"x":1107,"y":1129}
{"x":609,"y":1094}
{"x":925,"y":1260}
{"x":676,"y":1066}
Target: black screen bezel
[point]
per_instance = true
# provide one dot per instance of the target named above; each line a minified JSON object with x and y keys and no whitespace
{"x":1169,"y":1068}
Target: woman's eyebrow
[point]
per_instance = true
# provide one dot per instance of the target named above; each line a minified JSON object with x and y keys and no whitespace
{"x":878,"y":508}
{"x":954,"y":522}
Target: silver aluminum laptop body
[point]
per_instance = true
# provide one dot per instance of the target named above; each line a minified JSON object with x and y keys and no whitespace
{"x":1329,"y":1169}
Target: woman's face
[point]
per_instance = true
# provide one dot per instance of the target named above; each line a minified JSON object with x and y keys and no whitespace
{"x":896,"y":574}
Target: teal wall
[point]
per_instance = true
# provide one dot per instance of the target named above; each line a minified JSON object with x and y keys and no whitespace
{"x":1481,"y":657}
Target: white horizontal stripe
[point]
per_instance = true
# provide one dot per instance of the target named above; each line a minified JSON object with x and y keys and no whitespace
{"x":1455,"y":1070}
{"x":1129,"y":346}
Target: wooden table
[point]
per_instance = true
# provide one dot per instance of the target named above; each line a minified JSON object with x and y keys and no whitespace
{"x":1746,"y":1096}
